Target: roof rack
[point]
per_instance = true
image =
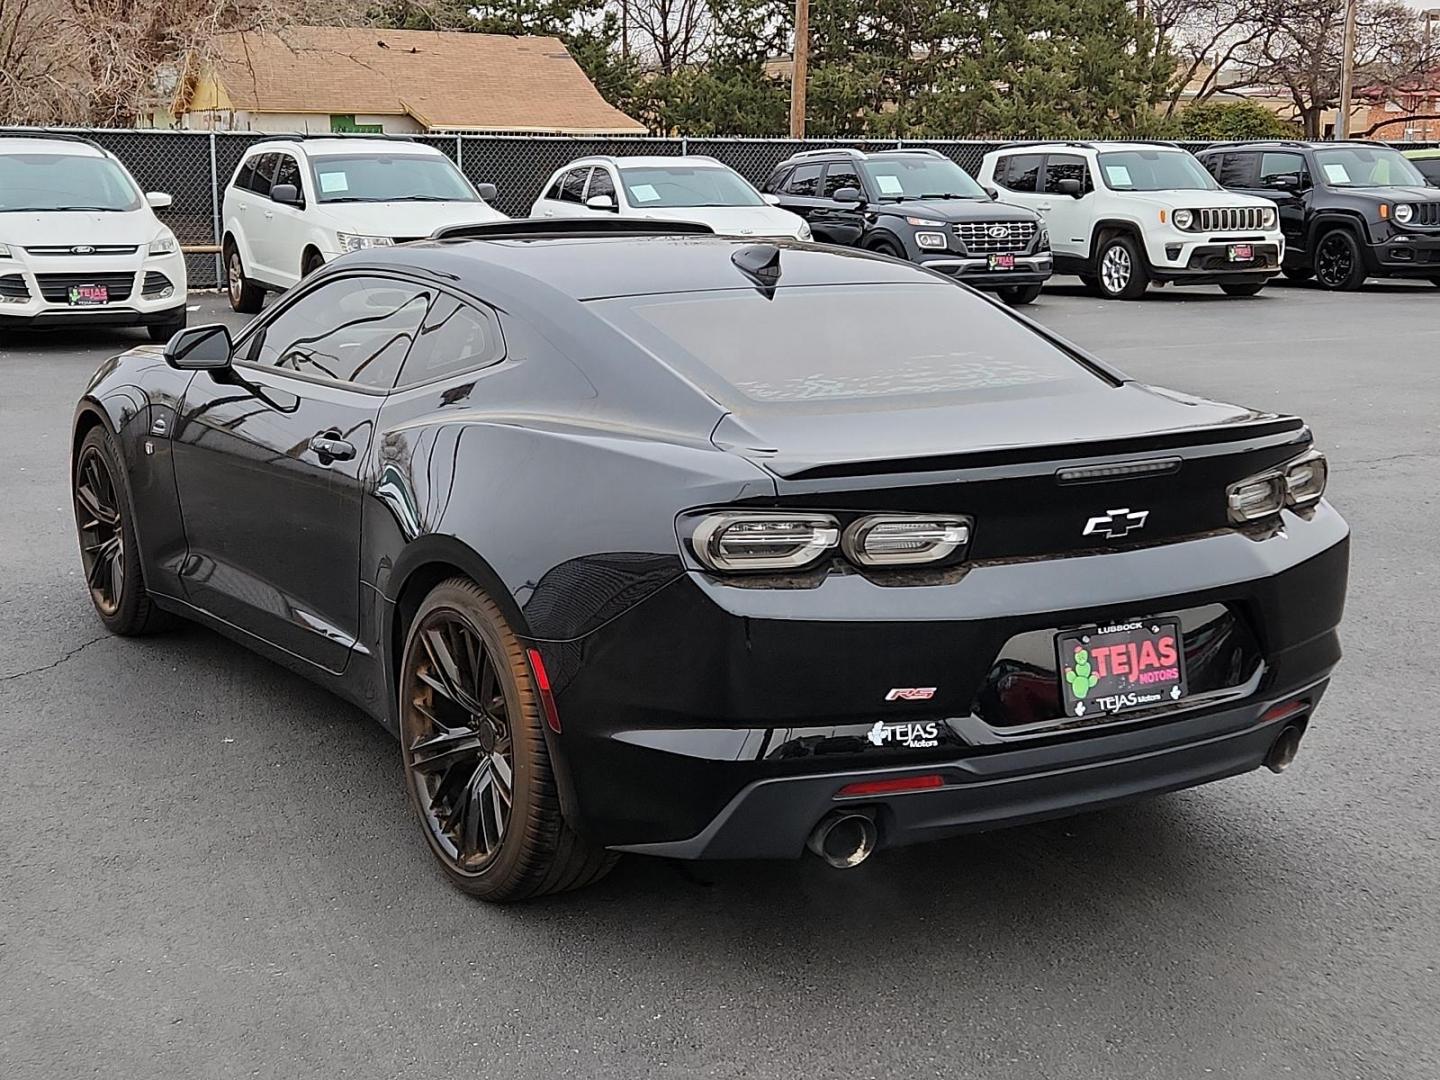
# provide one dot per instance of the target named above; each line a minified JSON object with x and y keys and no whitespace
{"x":523,"y":228}
{"x":282,"y":136}
{"x":848,"y":151}
{"x":40,"y":133}
{"x":924,"y":151}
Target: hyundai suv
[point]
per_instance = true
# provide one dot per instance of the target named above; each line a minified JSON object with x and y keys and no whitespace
{"x":1123,"y":215}
{"x":80,"y":243}
{"x":1349,"y":210}
{"x":916,"y":205}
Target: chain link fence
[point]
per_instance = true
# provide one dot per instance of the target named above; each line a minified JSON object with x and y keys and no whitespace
{"x":195,"y":166}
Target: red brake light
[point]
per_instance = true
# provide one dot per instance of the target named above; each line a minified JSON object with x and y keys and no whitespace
{"x":542,"y":683}
{"x":890,"y":787}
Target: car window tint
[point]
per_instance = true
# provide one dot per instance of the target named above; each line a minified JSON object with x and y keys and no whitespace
{"x":455,"y":337}
{"x":1237,"y":170}
{"x":1065,"y":167}
{"x":841,"y":174}
{"x":572,"y":188}
{"x":1274,"y":166}
{"x":1430,"y":169}
{"x":245,"y":178}
{"x":1022,"y":172}
{"x":288,"y":172}
{"x":804,"y":181}
{"x":776,"y":183}
{"x":264,"y":170}
{"x":600,"y":184}
{"x":351,"y":329}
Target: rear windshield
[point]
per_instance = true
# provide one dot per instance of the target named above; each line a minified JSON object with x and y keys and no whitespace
{"x":841,"y":346}
{"x":64,"y":182}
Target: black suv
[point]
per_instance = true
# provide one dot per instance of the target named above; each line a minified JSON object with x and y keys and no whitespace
{"x":1349,"y":210}
{"x":917,"y":205}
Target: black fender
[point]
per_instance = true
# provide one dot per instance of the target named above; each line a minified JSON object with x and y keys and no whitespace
{"x":1326,"y":220}
{"x":882,"y":233}
{"x":1105,"y":226}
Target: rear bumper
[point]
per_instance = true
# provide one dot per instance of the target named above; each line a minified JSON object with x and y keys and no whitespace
{"x":772,"y":818}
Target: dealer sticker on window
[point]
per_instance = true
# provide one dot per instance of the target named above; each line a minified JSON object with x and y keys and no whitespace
{"x":1111,"y":669}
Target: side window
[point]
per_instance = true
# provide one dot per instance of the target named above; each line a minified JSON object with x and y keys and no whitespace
{"x":354,"y":329}
{"x":804,"y":181}
{"x":1239,"y":170}
{"x":1065,"y":167}
{"x":1430,"y":169}
{"x":264,"y":171}
{"x":1280,"y":170}
{"x":840,"y":174}
{"x":1022,"y":172}
{"x":288,"y":172}
{"x":1212,"y":163}
{"x":553,"y":191}
{"x":776,"y":183}
{"x":572,"y":187}
{"x":456,"y":337}
{"x":245,"y":178}
{"x":600,"y":184}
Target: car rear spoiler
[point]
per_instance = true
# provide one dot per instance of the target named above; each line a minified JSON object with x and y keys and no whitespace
{"x":522,"y":228}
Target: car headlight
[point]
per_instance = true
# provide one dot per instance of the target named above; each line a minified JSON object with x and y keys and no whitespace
{"x":4,"y":252}
{"x":931,"y":240}
{"x":925,"y":223}
{"x":164,"y":243}
{"x":1269,"y":217}
{"x":804,"y":233}
{"x":1296,"y":484}
{"x":763,"y":540}
{"x":1183,"y":219}
{"x":356,"y":242}
{"x":1404,"y":213}
{"x":1043,"y":244}
{"x":904,"y":540}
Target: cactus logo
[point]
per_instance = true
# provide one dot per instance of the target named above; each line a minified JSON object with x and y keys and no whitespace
{"x":1080,"y":677}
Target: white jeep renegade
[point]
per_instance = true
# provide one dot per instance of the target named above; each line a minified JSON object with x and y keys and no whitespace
{"x":1121,"y":215}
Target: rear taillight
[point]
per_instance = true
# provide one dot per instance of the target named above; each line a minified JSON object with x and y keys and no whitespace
{"x":753,"y":540}
{"x":904,"y":540}
{"x":1297,"y":484}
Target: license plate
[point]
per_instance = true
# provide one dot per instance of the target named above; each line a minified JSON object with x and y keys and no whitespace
{"x":1115,"y":668}
{"x":1002,"y":262}
{"x":1242,"y":252}
{"x":86,"y":295}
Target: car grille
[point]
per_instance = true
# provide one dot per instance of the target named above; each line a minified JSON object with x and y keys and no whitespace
{"x":1426,"y":213}
{"x":56,"y":287}
{"x":154,"y":282}
{"x":81,"y":249}
{"x":975,"y":235}
{"x":1229,"y":219}
{"x":13,"y":287}
{"x":406,"y":239}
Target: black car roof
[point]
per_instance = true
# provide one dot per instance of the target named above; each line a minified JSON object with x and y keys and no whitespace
{"x":590,"y":267}
{"x":1286,"y":144}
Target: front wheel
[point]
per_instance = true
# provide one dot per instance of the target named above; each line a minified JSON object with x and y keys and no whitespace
{"x":1245,"y":288}
{"x":1339,"y":265}
{"x":477,"y":769}
{"x":1019,"y":295}
{"x":1122,"y":274}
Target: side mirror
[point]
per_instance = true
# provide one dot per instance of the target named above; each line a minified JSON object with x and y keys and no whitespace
{"x":1070,"y":187}
{"x":848,"y":195}
{"x":200,"y":348}
{"x":286,"y":195}
{"x":994,"y":193}
{"x":601,"y":202}
{"x":1285,"y":182}
{"x":773,"y":200}
{"x":158,"y":200}
{"x":488,"y":192}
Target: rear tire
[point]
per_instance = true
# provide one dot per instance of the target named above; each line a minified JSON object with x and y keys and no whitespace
{"x":477,"y":769}
{"x":163,"y":332}
{"x":1019,"y":295}
{"x":1249,"y":288}
{"x":245,"y":296}
{"x":1339,"y":265}
{"x":1121,"y":273}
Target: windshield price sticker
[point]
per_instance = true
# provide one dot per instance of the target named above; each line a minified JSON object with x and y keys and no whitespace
{"x":890,"y":185}
{"x":333,"y":181}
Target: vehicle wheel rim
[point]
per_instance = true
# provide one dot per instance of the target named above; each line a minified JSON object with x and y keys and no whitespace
{"x":102,"y":540}
{"x":236,"y":276}
{"x":458,"y":746}
{"x":1115,"y":269}
{"x":1334,"y":262}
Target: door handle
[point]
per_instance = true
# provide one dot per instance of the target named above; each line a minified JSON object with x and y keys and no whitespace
{"x":1045,"y":206}
{"x":328,"y":447}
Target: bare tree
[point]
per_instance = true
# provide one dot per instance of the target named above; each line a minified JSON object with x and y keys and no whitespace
{"x":1205,"y":36}
{"x":668,"y":35}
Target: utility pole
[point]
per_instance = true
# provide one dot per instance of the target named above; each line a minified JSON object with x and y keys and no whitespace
{"x":799,"y":66}
{"x":1347,"y":72}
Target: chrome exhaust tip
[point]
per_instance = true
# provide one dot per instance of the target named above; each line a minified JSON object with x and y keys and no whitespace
{"x":1284,"y":748}
{"x":844,"y":840}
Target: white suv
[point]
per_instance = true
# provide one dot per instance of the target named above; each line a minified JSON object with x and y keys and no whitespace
{"x":294,"y":204}
{"x":698,"y":189}
{"x":80,"y":243}
{"x":1122,"y":215}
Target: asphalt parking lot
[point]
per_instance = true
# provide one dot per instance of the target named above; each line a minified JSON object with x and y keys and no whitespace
{"x":207,"y":868}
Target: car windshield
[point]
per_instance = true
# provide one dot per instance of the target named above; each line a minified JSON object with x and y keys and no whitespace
{"x":661,"y":186}
{"x":390,"y":178}
{"x":1155,"y":170}
{"x":922,"y":178}
{"x":64,"y":182}
{"x":839,"y":347}
{"x":1362,"y":166}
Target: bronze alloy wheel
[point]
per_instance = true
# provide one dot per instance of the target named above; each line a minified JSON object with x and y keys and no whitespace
{"x":102,"y":535}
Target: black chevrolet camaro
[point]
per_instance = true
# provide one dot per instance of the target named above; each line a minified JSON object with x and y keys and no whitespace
{"x":701,"y":548}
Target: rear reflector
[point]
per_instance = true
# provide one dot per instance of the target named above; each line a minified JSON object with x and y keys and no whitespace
{"x":890,"y":787}
{"x":542,"y":683}
{"x":1284,"y":709}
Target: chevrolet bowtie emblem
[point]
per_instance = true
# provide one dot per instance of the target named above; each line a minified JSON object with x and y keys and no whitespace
{"x":1115,"y":524}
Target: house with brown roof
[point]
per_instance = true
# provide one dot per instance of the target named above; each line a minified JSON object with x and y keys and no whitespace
{"x":330,"y":78}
